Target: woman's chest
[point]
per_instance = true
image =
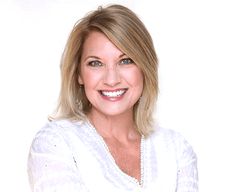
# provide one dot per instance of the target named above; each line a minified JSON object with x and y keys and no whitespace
{"x":127,"y":158}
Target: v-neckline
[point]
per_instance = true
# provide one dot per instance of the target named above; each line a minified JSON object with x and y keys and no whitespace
{"x":112,"y":160}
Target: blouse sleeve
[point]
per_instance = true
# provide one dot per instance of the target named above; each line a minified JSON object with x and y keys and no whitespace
{"x":187,"y":169}
{"x":51,"y":165}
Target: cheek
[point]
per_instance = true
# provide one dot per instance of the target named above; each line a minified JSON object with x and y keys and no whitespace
{"x":140,"y":84}
{"x":90,"y":78}
{"x":136,"y":78}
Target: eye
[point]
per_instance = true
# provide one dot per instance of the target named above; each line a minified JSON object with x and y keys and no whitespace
{"x":126,"y":61}
{"x":95,"y":63}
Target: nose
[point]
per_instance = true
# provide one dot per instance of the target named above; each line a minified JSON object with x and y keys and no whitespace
{"x":111,"y":76}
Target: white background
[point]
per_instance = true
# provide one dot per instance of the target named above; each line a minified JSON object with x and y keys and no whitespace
{"x":196,"y":46}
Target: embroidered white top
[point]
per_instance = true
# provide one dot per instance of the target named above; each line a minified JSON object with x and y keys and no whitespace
{"x":72,"y":157}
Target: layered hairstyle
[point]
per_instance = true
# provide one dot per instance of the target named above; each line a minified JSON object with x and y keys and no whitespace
{"x":127,"y":32}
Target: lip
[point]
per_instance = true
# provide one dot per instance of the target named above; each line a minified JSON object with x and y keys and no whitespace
{"x":113,"y":95}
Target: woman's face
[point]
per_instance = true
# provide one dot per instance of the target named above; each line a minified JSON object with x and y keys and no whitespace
{"x":112,"y":81}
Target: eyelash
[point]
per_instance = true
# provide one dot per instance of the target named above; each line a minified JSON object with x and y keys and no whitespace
{"x":130,"y":61}
{"x":96,"y":63}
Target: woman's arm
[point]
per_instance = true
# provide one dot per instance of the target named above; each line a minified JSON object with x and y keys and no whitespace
{"x":51,"y":165}
{"x":187,"y":169}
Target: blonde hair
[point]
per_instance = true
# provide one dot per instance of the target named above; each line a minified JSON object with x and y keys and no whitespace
{"x":125,"y":30}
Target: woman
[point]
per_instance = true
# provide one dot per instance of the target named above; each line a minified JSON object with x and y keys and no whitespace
{"x":103,"y":137}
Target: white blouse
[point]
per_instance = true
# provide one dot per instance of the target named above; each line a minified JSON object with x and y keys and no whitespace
{"x":72,"y":157}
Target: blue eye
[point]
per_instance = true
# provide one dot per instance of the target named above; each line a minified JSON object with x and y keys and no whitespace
{"x":126,"y":61}
{"x":95,"y":63}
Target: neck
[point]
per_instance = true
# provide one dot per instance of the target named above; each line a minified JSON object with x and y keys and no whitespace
{"x":121,"y":127}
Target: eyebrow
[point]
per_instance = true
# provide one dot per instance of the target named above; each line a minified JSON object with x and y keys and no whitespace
{"x":96,"y":57}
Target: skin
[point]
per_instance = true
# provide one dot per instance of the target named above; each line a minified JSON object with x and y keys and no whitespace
{"x":113,"y":83}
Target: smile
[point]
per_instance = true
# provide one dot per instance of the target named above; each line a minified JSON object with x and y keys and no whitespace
{"x":115,"y":93}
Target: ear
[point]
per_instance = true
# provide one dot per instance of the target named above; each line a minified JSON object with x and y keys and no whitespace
{"x":81,"y":82}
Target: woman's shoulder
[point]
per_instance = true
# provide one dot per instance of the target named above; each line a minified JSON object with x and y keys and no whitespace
{"x":166,"y":134}
{"x":171,"y":140}
{"x":56,"y":132}
{"x":62,"y":126}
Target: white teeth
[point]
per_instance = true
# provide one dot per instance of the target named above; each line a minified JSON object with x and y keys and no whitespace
{"x":113,"y":93}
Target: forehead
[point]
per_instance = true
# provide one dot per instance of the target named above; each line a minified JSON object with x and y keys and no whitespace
{"x":97,"y":43}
